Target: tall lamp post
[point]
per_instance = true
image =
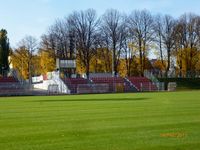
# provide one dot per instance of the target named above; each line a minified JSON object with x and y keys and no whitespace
{"x":2,"y":69}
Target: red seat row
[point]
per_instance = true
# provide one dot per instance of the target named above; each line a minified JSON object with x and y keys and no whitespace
{"x":7,"y":79}
{"x":111,"y":81}
{"x":108,"y":80}
{"x":72,"y":83}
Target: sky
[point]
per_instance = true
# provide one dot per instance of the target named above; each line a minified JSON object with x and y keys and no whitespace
{"x":33,"y":17}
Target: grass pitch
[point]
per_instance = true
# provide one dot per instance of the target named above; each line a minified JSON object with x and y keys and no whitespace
{"x":144,"y":121}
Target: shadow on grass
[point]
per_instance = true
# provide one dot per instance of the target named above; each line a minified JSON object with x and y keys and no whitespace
{"x":93,"y":100}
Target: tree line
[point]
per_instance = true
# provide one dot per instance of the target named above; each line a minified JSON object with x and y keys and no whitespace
{"x":117,"y":42}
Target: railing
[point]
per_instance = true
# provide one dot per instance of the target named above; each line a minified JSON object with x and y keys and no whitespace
{"x":114,"y":88}
{"x":148,"y":87}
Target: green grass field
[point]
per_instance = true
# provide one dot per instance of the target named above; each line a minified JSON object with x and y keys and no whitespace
{"x":143,"y":121}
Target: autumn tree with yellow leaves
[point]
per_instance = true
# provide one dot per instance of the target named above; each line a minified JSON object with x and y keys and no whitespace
{"x":46,"y":61}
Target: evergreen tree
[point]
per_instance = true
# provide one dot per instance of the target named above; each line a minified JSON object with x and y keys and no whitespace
{"x":4,"y":52}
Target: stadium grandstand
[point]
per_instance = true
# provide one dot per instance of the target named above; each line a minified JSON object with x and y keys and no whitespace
{"x":97,"y":84}
{"x":67,"y":82}
{"x":55,"y":83}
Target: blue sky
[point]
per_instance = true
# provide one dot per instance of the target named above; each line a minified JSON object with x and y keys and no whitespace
{"x":33,"y":17}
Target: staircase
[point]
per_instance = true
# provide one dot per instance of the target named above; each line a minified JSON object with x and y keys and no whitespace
{"x":130,"y":86}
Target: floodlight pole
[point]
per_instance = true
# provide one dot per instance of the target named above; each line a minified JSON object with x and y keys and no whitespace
{"x":113,"y":71}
